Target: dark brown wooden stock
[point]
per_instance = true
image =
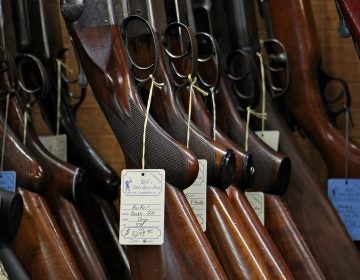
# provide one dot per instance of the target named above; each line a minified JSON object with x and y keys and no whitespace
{"x":102,"y":55}
{"x":303,"y":99}
{"x":169,"y":113}
{"x":65,"y":185}
{"x":185,"y":253}
{"x":272,"y":169}
{"x":291,"y":244}
{"x":40,"y":244}
{"x":312,"y":211}
{"x":270,"y":253}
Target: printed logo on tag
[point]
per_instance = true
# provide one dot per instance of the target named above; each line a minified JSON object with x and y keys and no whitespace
{"x":56,"y":145}
{"x":346,"y":200}
{"x":270,"y":137}
{"x":142,"y":207}
{"x":3,"y":274}
{"x":8,"y":180}
{"x":257,"y":202}
{"x":196,"y":194}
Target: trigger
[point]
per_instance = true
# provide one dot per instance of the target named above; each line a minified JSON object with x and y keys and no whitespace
{"x":343,"y":29}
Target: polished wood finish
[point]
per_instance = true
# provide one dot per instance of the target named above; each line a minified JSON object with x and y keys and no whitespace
{"x":65,"y":186}
{"x":179,"y":257}
{"x":303,"y":98}
{"x":40,"y":244}
{"x":351,"y":11}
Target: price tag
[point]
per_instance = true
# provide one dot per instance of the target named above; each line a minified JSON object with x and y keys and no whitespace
{"x":346,"y":200}
{"x":257,"y":202}
{"x":196,"y":194}
{"x":3,"y":274}
{"x":142,"y":206}
{"x":8,"y":180}
{"x":56,"y":144}
{"x":270,"y":137}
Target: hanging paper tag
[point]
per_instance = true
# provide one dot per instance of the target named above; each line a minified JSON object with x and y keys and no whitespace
{"x":346,"y":200}
{"x":3,"y":274}
{"x":196,"y":194}
{"x":56,"y":144}
{"x":8,"y":180}
{"x":142,"y":206}
{"x":257,"y":202}
{"x":270,"y":137}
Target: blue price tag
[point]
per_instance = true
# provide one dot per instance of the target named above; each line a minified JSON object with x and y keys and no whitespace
{"x":346,"y":200}
{"x":8,"y":180}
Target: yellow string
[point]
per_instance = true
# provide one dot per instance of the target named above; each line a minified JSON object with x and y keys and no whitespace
{"x":250,"y":112}
{"x":159,"y":86}
{"x":58,"y":112}
{"x":263,"y":90}
{"x":193,"y":86}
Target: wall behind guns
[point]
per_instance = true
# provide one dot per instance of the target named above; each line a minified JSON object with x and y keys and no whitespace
{"x":339,"y":58}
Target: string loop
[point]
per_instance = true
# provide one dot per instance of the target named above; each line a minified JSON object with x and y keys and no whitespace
{"x":250,"y":112}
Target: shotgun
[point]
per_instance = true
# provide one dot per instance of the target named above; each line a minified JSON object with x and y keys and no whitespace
{"x":11,"y":210}
{"x":98,"y":210}
{"x":239,"y":255}
{"x":294,"y":259}
{"x":320,"y":225}
{"x":107,"y":72}
{"x":303,"y":99}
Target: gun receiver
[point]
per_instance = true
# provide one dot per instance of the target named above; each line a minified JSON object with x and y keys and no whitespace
{"x":11,"y":209}
{"x":303,"y":99}
{"x":102,"y":56}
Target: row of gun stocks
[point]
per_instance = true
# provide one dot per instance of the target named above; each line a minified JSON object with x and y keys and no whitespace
{"x":69,"y":226}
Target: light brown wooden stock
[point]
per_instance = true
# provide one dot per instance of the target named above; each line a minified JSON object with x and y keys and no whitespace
{"x":303,"y":98}
{"x":312,"y":211}
{"x":40,"y":245}
{"x":65,"y":184}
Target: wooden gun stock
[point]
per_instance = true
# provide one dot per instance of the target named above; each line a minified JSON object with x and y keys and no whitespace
{"x":272,"y":169}
{"x":303,"y":98}
{"x":110,"y":79}
{"x":40,"y":244}
{"x":312,"y":212}
{"x":11,"y":209}
{"x":66,"y":185}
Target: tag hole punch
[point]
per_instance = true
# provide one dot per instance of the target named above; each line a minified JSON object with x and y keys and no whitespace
{"x":143,"y":174}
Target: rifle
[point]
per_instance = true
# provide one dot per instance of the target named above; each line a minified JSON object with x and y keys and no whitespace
{"x":303,"y":99}
{"x":107,"y":71}
{"x":233,"y":12}
{"x":98,"y":211}
{"x":349,"y":21}
{"x":11,"y":209}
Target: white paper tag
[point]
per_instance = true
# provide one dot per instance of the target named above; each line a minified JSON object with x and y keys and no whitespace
{"x":142,"y":207}
{"x":3,"y":274}
{"x":257,"y":202}
{"x":196,"y":194}
{"x":56,"y":144}
{"x":270,"y":137}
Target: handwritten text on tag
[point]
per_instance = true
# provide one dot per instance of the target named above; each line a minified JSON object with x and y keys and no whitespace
{"x":257,"y":202}
{"x":142,"y":206}
{"x":56,"y":144}
{"x":346,"y":200}
{"x":270,"y":137}
{"x":196,"y":194}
